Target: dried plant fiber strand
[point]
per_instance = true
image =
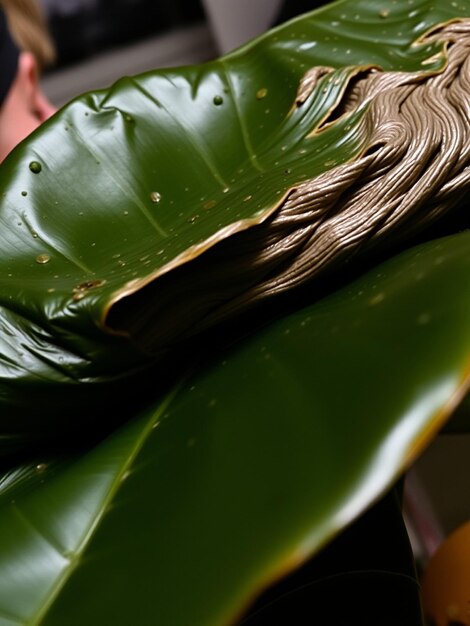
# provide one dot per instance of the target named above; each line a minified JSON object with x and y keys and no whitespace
{"x":414,"y":168}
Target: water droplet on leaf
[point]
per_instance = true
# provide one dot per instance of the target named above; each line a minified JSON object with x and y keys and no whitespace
{"x":218,"y":100}
{"x":35,"y":167}
{"x":42,"y":259}
{"x":424,"y":319}
{"x":210,"y":204}
{"x":89,"y":284}
{"x":155,"y":196}
{"x":261,"y":93}
{"x":376,"y":299}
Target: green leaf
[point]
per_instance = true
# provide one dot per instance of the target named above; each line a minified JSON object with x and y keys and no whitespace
{"x":228,"y":481}
{"x":125,"y":185}
{"x":189,"y":511}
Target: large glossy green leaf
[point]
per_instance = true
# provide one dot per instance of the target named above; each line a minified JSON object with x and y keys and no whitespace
{"x":249,"y":468}
{"x":225,"y":482}
{"x":126,"y":184}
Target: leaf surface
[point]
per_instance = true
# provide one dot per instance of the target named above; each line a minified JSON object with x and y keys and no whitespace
{"x":237,"y":476}
{"x":249,"y":468}
{"x":126,"y":184}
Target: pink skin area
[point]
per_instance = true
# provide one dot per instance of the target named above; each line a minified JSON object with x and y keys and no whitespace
{"x":25,"y":107}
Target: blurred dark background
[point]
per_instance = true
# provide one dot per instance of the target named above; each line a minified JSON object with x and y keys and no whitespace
{"x":84,"y":27}
{"x":99,"y":41}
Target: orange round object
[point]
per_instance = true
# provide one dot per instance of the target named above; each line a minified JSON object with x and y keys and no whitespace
{"x":446,"y":583}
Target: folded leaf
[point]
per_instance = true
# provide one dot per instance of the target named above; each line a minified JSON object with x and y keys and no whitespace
{"x":106,"y":203}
